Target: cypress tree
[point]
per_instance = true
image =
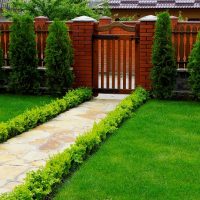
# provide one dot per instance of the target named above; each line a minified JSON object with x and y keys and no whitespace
{"x":58,"y":58}
{"x":194,"y":68}
{"x":24,"y":77}
{"x":163,"y":73}
{"x":2,"y":76}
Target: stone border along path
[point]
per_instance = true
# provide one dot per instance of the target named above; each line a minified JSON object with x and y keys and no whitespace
{"x":30,"y":150}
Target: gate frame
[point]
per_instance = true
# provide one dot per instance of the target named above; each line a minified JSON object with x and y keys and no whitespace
{"x":128,"y":32}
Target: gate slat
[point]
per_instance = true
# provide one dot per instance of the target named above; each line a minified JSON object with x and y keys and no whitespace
{"x":102,"y":63}
{"x":124,"y":64}
{"x":108,"y":64}
{"x":130,"y":63}
{"x":119,"y":63}
{"x":113,"y":64}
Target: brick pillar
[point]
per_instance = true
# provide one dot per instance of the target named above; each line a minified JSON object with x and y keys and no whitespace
{"x":147,"y":29}
{"x":41,"y":21}
{"x":82,"y":29}
{"x":174,"y":21}
{"x":105,"y":21}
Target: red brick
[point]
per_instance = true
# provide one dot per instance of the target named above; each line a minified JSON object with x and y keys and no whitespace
{"x":143,"y":38}
{"x":147,"y":34}
{"x":146,"y":42}
{"x":151,"y":23}
{"x":150,"y":39}
{"x":146,"y":26}
{"x":143,"y":30}
{"x":150,"y":30}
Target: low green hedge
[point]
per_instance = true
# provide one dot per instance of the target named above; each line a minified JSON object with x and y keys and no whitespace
{"x":39,"y":184}
{"x":32,"y":118}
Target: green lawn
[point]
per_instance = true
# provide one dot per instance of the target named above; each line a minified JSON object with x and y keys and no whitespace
{"x":13,"y":105}
{"x":154,"y":155}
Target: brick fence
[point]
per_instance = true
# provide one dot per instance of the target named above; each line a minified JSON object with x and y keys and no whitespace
{"x":81,"y":31}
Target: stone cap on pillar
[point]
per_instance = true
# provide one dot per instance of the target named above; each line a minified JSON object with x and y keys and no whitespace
{"x":41,"y":18}
{"x":148,"y":18}
{"x":105,"y":17}
{"x":84,"y":19}
{"x":173,"y":17}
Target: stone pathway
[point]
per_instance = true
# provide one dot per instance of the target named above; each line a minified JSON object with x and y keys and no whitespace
{"x":30,"y":150}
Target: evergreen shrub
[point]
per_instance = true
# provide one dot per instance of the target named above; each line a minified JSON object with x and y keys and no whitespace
{"x":163,"y":74}
{"x":194,"y":68}
{"x":1,"y":64}
{"x":24,"y":77}
{"x":1,"y":56}
{"x":58,"y":58}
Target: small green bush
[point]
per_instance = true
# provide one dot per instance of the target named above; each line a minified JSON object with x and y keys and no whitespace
{"x":39,"y":115}
{"x":163,"y":74}
{"x":194,"y":68}
{"x":24,"y":77}
{"x":1,"y":56}
{"x":39,"y":184}
{"x":1,"y":64}
{"x":58,"y":58}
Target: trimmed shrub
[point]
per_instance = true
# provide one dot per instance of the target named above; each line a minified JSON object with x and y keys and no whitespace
{"x":39,"y":115}
{"x":194,"y":68}
{"x":1,"y":64}
{"x":58,"y":58}
{"x":163,"y":74}
{"x":24,"y":77}
{"x":39,"y":184}
{"x":1,"y":56}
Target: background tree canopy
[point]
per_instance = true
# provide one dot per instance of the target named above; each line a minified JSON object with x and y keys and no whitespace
{"x":60,"y":9}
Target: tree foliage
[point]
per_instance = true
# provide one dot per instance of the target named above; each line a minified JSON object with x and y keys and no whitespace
{"x":103,"y":9}
{"x":59,"y":58}
{"x":61,"y":9}
{"x":1,"y":64}
{"x":163,"y":73}
{"x":24,"y":75}
{"x":1,"y":56}
{"x":194,"y":68}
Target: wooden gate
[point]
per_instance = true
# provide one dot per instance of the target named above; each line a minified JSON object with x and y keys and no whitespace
{"x":114,"y":59}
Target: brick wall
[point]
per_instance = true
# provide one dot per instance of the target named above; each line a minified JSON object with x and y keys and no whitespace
{"x":81,"y":32}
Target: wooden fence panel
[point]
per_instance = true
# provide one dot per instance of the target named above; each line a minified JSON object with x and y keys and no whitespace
{"x":184,"y":37}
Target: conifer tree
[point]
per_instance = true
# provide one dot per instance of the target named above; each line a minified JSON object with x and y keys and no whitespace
{"x":24,"y":77}
{"x":194,"y":68}
{"x":58,"y":58}
{"x":1,"y":64}
{"x":163,"y":73}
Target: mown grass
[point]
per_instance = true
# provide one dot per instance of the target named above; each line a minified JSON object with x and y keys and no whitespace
{"x":154,"y":155}
{"x":13,"y":105}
